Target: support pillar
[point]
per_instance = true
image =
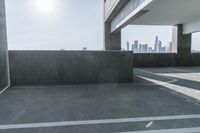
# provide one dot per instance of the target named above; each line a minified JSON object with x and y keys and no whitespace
{"x":4,"y":69}
{"x":183,"y":47}
{"x":112,"y":40}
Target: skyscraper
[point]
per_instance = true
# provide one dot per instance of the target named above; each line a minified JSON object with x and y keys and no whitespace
{"x":135,"y":46}
{"x":156,"y":44}
{"x":143,"y":48}
{"x":159,"y":46}
{"x":128,"y":46}
{"x":170,"y":47}
{"x":132,"y":48}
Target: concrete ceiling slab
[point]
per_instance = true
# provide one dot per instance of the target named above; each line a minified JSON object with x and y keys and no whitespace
{"x":169,"y":12}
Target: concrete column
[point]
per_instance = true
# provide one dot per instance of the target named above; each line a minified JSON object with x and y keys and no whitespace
{"x":112,"y":40}
{"x":184,"y":47}
{"x":4,"y":73}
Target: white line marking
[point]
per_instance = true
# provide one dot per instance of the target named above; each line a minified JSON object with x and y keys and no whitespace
{"x":95,"y":122}
{"x":177,"y":130}
{"x":172,"y":80}
{"x":8,"y":72}
{"x":1,"y":92}
{"x":177,"y":88}
{"x":149,"y":125}
{"x":155,"y":74}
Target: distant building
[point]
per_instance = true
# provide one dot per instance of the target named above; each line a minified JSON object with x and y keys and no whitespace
{"x":156,"y":44}
{"x":159,"y":46}
{"x":163,"y":49}
{"x":150,"y":50}
{"x":143,"y":48}
{"x":135,"y":46}
{"x":170,"y":47}
{"x":128,"y":46}
{"x":84,"y":48}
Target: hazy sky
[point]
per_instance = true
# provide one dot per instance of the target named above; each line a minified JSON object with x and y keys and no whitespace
{"x":196,"y":41}
{"x":70,"y":25}
{"x":63,"y":24}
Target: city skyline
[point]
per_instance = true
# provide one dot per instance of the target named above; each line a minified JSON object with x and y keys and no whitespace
{"x":146,"y":34}
{"x":159,"y":47}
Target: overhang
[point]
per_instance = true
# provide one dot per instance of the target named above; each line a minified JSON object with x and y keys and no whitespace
{"x":164,"y":12}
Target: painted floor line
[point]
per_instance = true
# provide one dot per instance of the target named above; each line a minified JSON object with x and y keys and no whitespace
{"x":1,"y":92}
{"x":177,"y":88}
{"x":155,"y":74}
{"x":171,"y":80}
{"x":96,"y":122}
{"x":177,"y":130}
{"x":173,"y":87}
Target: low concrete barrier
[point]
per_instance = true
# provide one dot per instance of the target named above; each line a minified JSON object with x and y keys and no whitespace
{"x":70,"y":67}
{"x":165,"y":60}
{"x":154,"y":60}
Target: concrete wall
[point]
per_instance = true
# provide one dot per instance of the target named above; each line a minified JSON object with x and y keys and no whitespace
{"x":154,"y":60}
{"x":69,"y":67}
{"x":184,"y":47}
{"x":3,"y":48}
{"x":165,"y":60}
{"x":112,"y":40}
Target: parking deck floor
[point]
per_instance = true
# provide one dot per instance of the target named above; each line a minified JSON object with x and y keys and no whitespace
{"x":161,"y":100}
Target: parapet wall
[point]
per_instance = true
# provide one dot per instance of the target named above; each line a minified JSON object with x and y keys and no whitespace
{"x":70,"y":67}
{"x":165,"y":60}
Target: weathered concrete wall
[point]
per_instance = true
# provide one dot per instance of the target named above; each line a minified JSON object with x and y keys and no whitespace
{"x":184,"y":47}
{"x":69,"y":67}
{"x":164,"y":60}
{"x":154,"y":60}
{"x":195,"y":59}
{"x":3,"y":48}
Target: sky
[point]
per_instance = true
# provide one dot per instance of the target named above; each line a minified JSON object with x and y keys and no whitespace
{"x":196,"y":41}
{"x":63,"y":24}
{"x":70,"y":25}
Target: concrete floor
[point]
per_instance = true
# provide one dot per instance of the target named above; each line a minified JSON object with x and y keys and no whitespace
{"x":172,"y":93}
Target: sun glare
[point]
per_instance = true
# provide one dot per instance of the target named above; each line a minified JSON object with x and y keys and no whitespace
{"x":45,"y":6}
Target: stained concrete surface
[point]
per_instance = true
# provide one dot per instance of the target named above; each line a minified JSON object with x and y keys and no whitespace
{"x":36,"y":104}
